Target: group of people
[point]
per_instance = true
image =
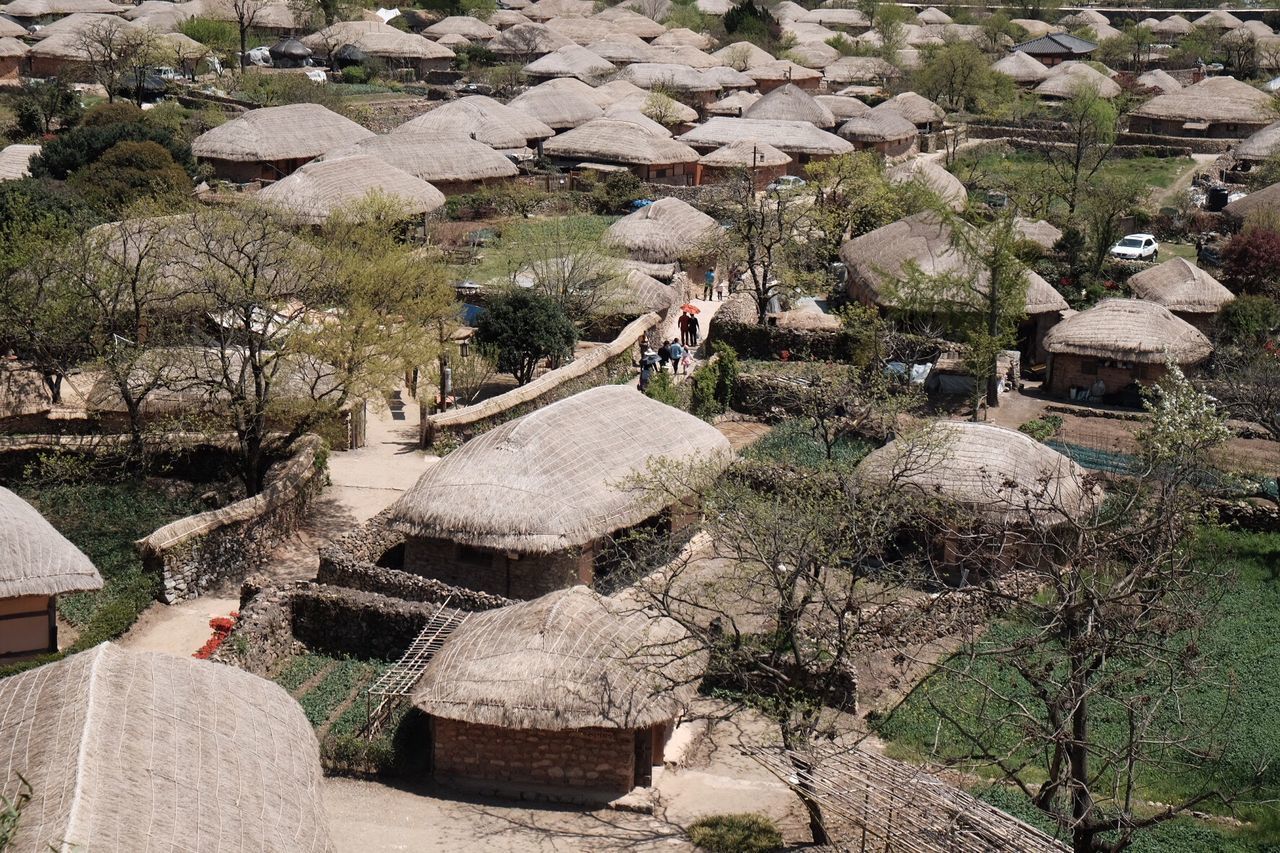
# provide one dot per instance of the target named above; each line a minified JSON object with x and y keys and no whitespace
{"x":689,"y":329}
{"x":677,"y":352}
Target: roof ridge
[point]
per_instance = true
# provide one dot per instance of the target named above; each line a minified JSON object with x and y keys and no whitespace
{"x":73,"y":813}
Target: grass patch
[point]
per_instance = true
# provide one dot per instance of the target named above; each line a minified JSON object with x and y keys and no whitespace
{"x":735,"y":833}
{"x":1238,"y":647}
{"x":336,"y":687}
{"x":793,"y":442}
{"x":299,"y":670}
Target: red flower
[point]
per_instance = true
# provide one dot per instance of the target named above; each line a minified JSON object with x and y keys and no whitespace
{"x":222,"y":627}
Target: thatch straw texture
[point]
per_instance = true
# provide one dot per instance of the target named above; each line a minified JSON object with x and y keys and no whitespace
{"x":781,"y":69}
{"x":558,"y":110}
{"x":733,"y":105}
{"x":46,"y":8}
{"x":618,"y":90}
{"x":1042,"y":233}
{"x":1218,"y":19}
{"x":128,"y":751}
{"x":1036,"y":28}
{"x":545,"y":10}
{"x":933,"y":177}
{"x":793,"y":137}
{"x":1260,"y":145}
{"x":1129,"y":329}
{"x":655,"y":103}
{"x":570,"y":463}
{"x":880,"y":262}
{"x":398,"y":45}
{"x":505,"y":18}
{"x":744,"y":154}
{"x":528,"y":40}
{"x":1001,"y":473}
{"x":471,"y":28}
{"x":932,"y":15}
{"x":742,"y":55}
{"x":1172,"y":27}
{"x":1085,"y":18}
{"x":1181,"y":286}
{"x":482,"y":119}
{"x":624,"y":20}
{"x":297,"y":131}
{"x":79,"y":23}
{"x":621,"y":48}
{"x":728,"y":78}
{"x":1072,"y":78}
{"x":680,"y":78}
{"x":626,"y":112}
{"x":878,"y":126}
{"x":916,"y":109}
{"x":1021,"y":68}
{"x":640,"y":293}
{"x":453,"y":42}
{"x":11,"y":48}
{"x":12,"y":29}
{"x":35,"y":559}
{"x":14,"y":161}
{"x":568,"y":660}
{"x":683,"y":55}
{"x":1160,"y":80}
{"x":613,"y":141}
{"x":860,"y":69}
{"x":843,"y":107}
{"x":322,"y":187}
{"x":841,"y":17}
{"x":789,"y":102}
{"x":665,"y":231}
{"x":432,"y":156}
{"x":581,"y":30}
{"x":816,"y":55}
{"x":1267,"y":198}
{"x":577,"y":88}
{"x":1213,"y":99}
{"x":684,"y":37}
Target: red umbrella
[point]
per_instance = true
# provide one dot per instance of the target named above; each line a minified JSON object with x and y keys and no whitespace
{"x":692,"y":309}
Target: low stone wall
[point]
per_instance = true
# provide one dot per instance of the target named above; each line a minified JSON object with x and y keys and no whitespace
{"x":751,"y":340}
{"x":195,"y":553}
{"x":1256,"y":515}
{"x":340,"y":569}
{"x":597,"y":367}
{"x":1127,"y":144}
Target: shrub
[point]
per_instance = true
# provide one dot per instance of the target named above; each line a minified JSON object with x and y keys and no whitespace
{"x":1251,"y":262}
{"x":1248,"y":320}
{"x":663,"y":389}
{"x":712,"y":385}
{"x":127,"y":172}
{"x":104,"y":114}
{"x":355,"y":74}
{"x":81,"y":146}
{"x":524,"y":328}
{"x":615,"y":192}
{"x":736,"y":833}
{"x":1042,"y":428}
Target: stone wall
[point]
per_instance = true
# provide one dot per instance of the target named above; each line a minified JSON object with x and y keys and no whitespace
{"x":338,"y":621}
{"x":195,"y":553}
{"x":523,"y":576}
{"x":751,"y":340}
{"x":1127,"y":144}
{"x":340,"y":569}
{"x":574,"y":764}
{"x":597,"y":367}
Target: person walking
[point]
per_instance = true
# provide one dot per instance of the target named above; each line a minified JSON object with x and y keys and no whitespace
{"x":693,"y":331}
{"x":683,"y":323}
{"x":664,"y":354}
{"x":677,"y":356}
{"x":648,"y":362}
{"x":709,"y":286}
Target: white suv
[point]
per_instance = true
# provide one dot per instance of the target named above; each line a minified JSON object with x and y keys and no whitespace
{"x":1137,"y":247}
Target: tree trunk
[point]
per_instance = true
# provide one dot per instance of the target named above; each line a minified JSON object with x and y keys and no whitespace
{"x":804,"y":790}
{"x":1078,"y":757}
{"x":53,"y":381}
{"x":244,"y":47}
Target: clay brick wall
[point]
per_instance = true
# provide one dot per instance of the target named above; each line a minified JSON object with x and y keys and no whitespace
{"x":599,"y":761}
{"x":1070,"y":370}
{"x":494,"y":572}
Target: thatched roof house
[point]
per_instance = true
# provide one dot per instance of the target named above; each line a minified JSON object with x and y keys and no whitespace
{"x":1118,"y":343}
{"x":816,"y":55}
{"x":1218,"y":19}
{"x":791,"y":103}
{"x":528,"y":40}
{"x":917,"y":109}
{"x":684,"y":37}
{"x":472,"y":28}
{"x":37,"y":564}
{"x":449,"y":162}
{"x":272,"y":142}
{"x":558,"y":110}
{"x":1044,"y":234}
{"x":1182,"y":287}
{"x":1021,"y":68}
{"x":15,"y":161}
{"x":1265,"y":199}
{"x":860,"y":69}
{"x":128,"y":750}
{"x":760,"y":159}
{"x":568,"y":696}
{"x":843,"y":107}
{"x":741,"y":55}
{"x":1067,"y":80}
{"x":622,"y":48}
{"x":800,"y":140}
{"x":616,"y":142}
{"x":571,"y":461}
{"x":321,"y":188}
{"x":1260,"y":145}
{"x":934,"y":178}
{"x":1219,"y":107}
{"x":667,"y":231}
{"x":771,"y":75}
{"x":1160,"y":80}
{"x":837,"y":17}
{"x":37,"y":11}
{"x":1172,"y":27}
{"x":885,"y":131}
{"x":626,"y":20}
{"x":485,"y":120}
{"x":570,"y":61}
{"x":678,"y":78}
{"x":734,"y":105}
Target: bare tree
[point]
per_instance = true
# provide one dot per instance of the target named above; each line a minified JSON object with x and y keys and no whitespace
{"x":765,"y":230}
{"x":115,"y":49}
{"x":246,"y":14}
{"x":1090,"y":128}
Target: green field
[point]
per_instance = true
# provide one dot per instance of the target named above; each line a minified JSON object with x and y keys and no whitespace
{"x":1239,"y":648}
{"x":792,"y":442}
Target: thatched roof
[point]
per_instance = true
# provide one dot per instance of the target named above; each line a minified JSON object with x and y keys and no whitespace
{"x":1159,"y":79}
{"x":570,"y":463}
{"x":843,"y":107}
{"x":793,"y":137}
{"x":880,"y":262}
{"x":789,"y":102}
{"x":473,"y":29}
{"x":1003,"y":474}
{"x":545,"y":10}
{"x":615,"y":141}
{"x":668,"y":108}
{"x":932,"y":15}
{"x":1021,"y":68}
{"x":621,"y":48}
{"x":11,"y":48}
{"x":574,"y":86}
{"x":744,"y":154}
{"x":129,"y":750}
{"x":433,"y":156}
{"x":504,"y":18}
{"x":1219,"y":19}
{"x":35,"y":559}
{"x":297,"y":131}
{"x":1035,"y":28}
{"x":1131,"y":330}
{"x":398,"y":45}
{"x":817,"y":55}
{"x":624,"y":20}
{"x":1180,"y":286}
{"x":581,"y":30}
{"x":571,"y":659}
{"x":570,"y":61}
{"x":860,"y":69}
{"x":482,"y":119}
{"x":837,"y":16}
{"x":640,"y":292}
{"x":14,"y":161}
{"x":1213,"y":99}
{"x":916,"y":109}
{"x":322,"y":187}
{"x":1072,"y":77}
{"x":1267,"y":198}
{"x":683,"y":55}
{"x":727,"y":78}
{"x":528,"y":40}
{"x":935,"y":178}
{"x":12,"y":29}
{"x":627,"y":112}
{"x":680,"y":78}
{"x":1261,"y":145}
{"x":662,"y":232}
{"x":45,"y":8}
{"x":743,"y":55}
{"x":1173,"y":26}
{"x":875,"y":127}
{"x":1084,"y":18}
{"x":1042,"y":233}
{"x":684,"y":37}
{"x":781,"y":69}
{"x":558,"y":110}
{"x":618,"y":90}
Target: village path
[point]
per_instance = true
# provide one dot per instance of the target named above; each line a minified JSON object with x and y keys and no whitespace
{"x":362,"y":483}
{"x":1162,"y":197}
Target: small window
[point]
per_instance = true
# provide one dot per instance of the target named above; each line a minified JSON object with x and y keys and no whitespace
{"x":473,"y":556}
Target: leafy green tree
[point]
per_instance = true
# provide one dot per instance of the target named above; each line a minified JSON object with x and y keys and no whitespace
{"x":524,"y":329}
{"x":80,"y":146}
{"x":112,"y":112}
{"x":750,"y":21}
{"x":1106,"y":204}
{"x":45,"y":105}
{"x":1247,"y":321}
{"x":1092,"y":125}
{"x":219,"y":36}
{"x":128,"y":172}
{"x":959,"y":76}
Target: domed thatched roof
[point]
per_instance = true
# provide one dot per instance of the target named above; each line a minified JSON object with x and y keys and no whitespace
{"x":1044,"y":234}
{"x":294,"y":132}
{"x":467,"y":26}
{"x":843,"y":107}
{"x":789,"y":102}
{"x":1021,"y":68}
{"x":1181,"y":286}
{"x":733,"y":105}
{"x":1218,"y":19}
{"x":1172,"y":27}
{"x":1004,"y":475}
{"x":570,"y":61}
{"x":482,"y":119}
{"x":1261,"y":145}
{"x":876,"y":127}
{"x":916,"y":109}
{"x":1072,"y":77}
{"x":1131,"y":330}
{"x":744,"y":154}
{"x":662,"y":232}
{"x":35,"y":559}
{"x":571,"y":659}
{"x":1267,"y":198}
{"x":860,"y":69}
{"x":569,"y":462}
{"x":528,"y":40}
{"x":742,"y":55}
{"x":15,"y":161}
{"x":434,"y":156}
{"x":684,"y":37}
{"x":935,"y":178}
{"x":793,"y":137}
{"x":320,"y":188}
{"x":1160,"y":80}
{"x":558,"y":110}
{"x":1213,"y":99}
{"x":614,"y":141}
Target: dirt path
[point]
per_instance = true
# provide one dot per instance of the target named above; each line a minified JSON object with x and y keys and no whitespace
{"x":1161,"y":197}
{"x":177,"y":629}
